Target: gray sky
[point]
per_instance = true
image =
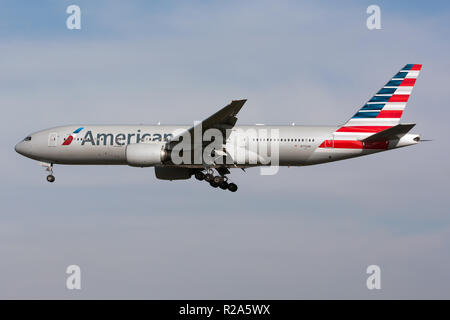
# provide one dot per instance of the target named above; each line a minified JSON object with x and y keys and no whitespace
{"x":304,"y":233}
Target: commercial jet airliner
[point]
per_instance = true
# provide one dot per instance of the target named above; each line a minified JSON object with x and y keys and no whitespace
{"x":209,"y":149}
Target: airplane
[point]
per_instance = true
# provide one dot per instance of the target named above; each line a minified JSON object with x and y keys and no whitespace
{"x":374,"y":128}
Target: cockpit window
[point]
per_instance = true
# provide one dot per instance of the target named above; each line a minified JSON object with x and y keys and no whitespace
{"x":27,"y":139}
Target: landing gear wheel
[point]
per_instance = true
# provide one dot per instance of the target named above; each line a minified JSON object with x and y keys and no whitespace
{"x":209,"y":177}
{"x":223,"y":185}
{"x":217,"y":180}
{"x":232,"y":187}
{"x":199,"y":175}
{"x":213,"y":184}
{"x":51,"y":178}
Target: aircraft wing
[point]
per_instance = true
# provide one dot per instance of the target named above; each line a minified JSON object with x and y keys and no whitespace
{"x":224,"y":118}
{"x":395,"y":132}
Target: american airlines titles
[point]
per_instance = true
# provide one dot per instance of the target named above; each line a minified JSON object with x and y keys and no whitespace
{"x":122,"y":139}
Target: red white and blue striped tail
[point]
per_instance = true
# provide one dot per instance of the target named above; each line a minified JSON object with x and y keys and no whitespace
{"x":384,"y":109}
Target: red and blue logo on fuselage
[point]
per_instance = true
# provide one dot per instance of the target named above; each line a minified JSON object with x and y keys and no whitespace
{"x":70,"y":138}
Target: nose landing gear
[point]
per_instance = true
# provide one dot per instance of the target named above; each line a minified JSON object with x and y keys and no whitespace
{"x":49,"y":169}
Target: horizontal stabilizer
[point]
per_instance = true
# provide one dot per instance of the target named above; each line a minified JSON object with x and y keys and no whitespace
{"x":395,"y":132}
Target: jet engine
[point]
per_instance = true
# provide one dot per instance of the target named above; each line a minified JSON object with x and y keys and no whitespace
{"x":146,"y":154}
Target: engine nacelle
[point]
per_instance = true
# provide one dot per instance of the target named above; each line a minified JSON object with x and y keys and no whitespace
{"x":146,"y":154}
{"x":173,"y":173}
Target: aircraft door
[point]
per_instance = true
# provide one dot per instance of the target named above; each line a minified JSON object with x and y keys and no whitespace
{"x":52,"y":137}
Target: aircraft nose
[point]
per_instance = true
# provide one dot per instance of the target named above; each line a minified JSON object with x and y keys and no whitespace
{"x":20,"y":148}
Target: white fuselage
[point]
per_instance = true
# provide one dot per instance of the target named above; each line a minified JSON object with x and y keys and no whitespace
{"x":107,"y":144}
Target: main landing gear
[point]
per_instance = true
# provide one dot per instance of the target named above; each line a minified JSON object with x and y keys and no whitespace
{"x":220,"y":181}
{"x":49,"y":169}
